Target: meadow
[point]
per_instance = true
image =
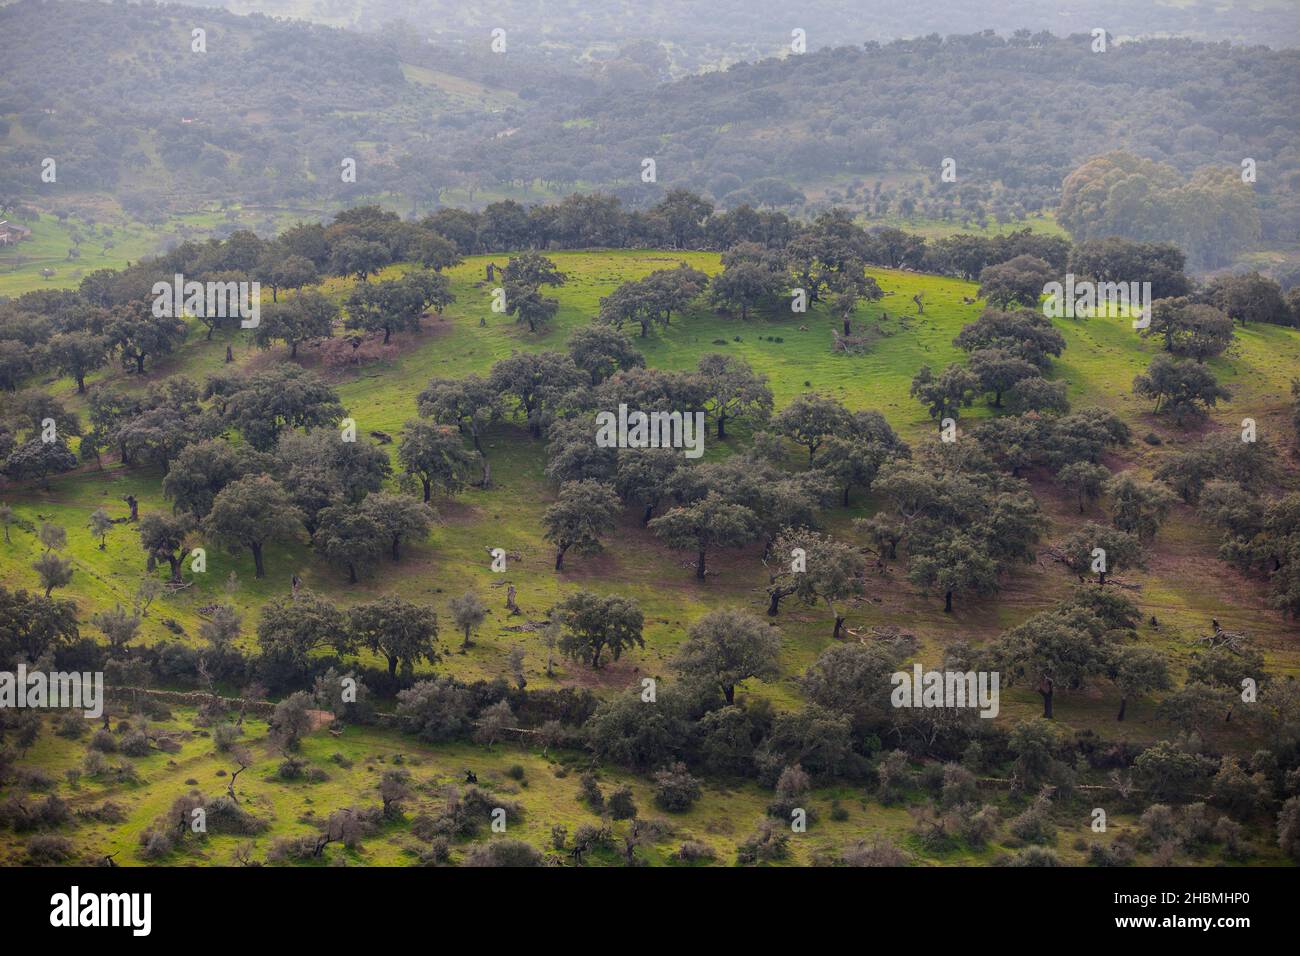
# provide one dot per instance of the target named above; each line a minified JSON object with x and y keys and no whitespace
{"x":1183,"y":587}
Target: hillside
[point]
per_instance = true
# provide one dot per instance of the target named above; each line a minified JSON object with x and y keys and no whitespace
{"x":1182,"y":587}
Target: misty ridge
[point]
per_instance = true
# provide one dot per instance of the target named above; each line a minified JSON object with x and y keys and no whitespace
{"x":436,"y":117}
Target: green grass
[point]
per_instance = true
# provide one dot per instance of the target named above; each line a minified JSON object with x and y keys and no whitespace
{"x":1184,"y":585}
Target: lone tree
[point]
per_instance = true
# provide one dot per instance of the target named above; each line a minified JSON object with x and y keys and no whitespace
{"x":1138,"y":507}
{"x":601,"y":350}
{"x":586,"y":511}
{"x":468,"y":611}
{"x":1063,"y":648}
{"x":119,"y":626}
{"x":401,"y":518}
{"x":954,"y":564}
{"x":946,"y":395}
{"x":402,"y":632}
{"x":523,"y":276}
{"x":291,"y":628}
{"x":163,"y":539}
{"x":55,"y":570}
{"x":1083,"y":478}
{"x":728,"y":646}
{"x":1016,"y":281}
{"x":711,"y":522}
{"x":827,"y":570}
{"x":350,"y":539}
{"x":306,"y":317}
{"x":733,"y":390}
{"x":1137,"y":670}
{"x":250,"y":512}
{"x":1095,"y":548}
{"x":810,"y":419}
{"x":77,"y":354}
{"x":100,"y":525}
{"x":593,"y":623}
{"x":434,"y":455}
{"x":1182,"y":389}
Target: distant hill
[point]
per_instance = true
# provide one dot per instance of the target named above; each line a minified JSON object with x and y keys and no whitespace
{"x":756,"y":28}
{"x":272,"y":109}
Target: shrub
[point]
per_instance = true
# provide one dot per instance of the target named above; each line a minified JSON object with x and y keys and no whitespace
{"x":589,"y":793}
{"x":1035,"y":824}
{"x":880,"y":852}
{"x":620,"y":804}
{"x":766,"y":844}
{"x":48,"y":849}
{"x":675,"y":789}
{"x":693,"y":851}
{"x":504,"y":853}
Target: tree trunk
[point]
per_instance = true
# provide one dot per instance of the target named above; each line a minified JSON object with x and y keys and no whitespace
{"x":729,"y":692}
{"x":256,"y":548}
{"x":81,"y":384}
{"x":947,"y":602}
{"x":699,"y":565}
{"x":649,"y":513}
{"x":139,"y":363}
{"x":392,"y":665}
{"x":559,"y":557}
{"x":352,"y":573}
{"x":427,"y":489}
{"x":387,"y":332}
{"x":175,"y":562}
{"x":1123,"y":705}
{"x":846,"y":495}
{"x":1046,"y":689}
{"x":839,"y":626}
{"x":397,"y":544}
{"x":722,"y":426}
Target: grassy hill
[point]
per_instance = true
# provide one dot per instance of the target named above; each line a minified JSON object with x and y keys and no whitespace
{"x":1183,"y":587}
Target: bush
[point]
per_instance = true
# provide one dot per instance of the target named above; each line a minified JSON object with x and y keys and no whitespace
{"x":1035,"y":824}
{"x":591,"y":837}
{"x":878,"y":853}
{"x":1117,"y":854}
{"x":437,"y":853}
{"x":48,"y":849}
{"x":693,"y":851}
{"x":136,"y":744}
{"x":979,"y":826}
{"x":71,"y":726}
{"x":675,"y":789}
{"x":504,"y":853}
{"x":620,"y":804}
{"x":589,"y":793}
{"x":766,"y":844}
{"x":224,"y":736}
{"x":1034,"y":856}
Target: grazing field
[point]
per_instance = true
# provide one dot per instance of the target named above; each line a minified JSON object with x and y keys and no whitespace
{"x":1183,"y":587}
